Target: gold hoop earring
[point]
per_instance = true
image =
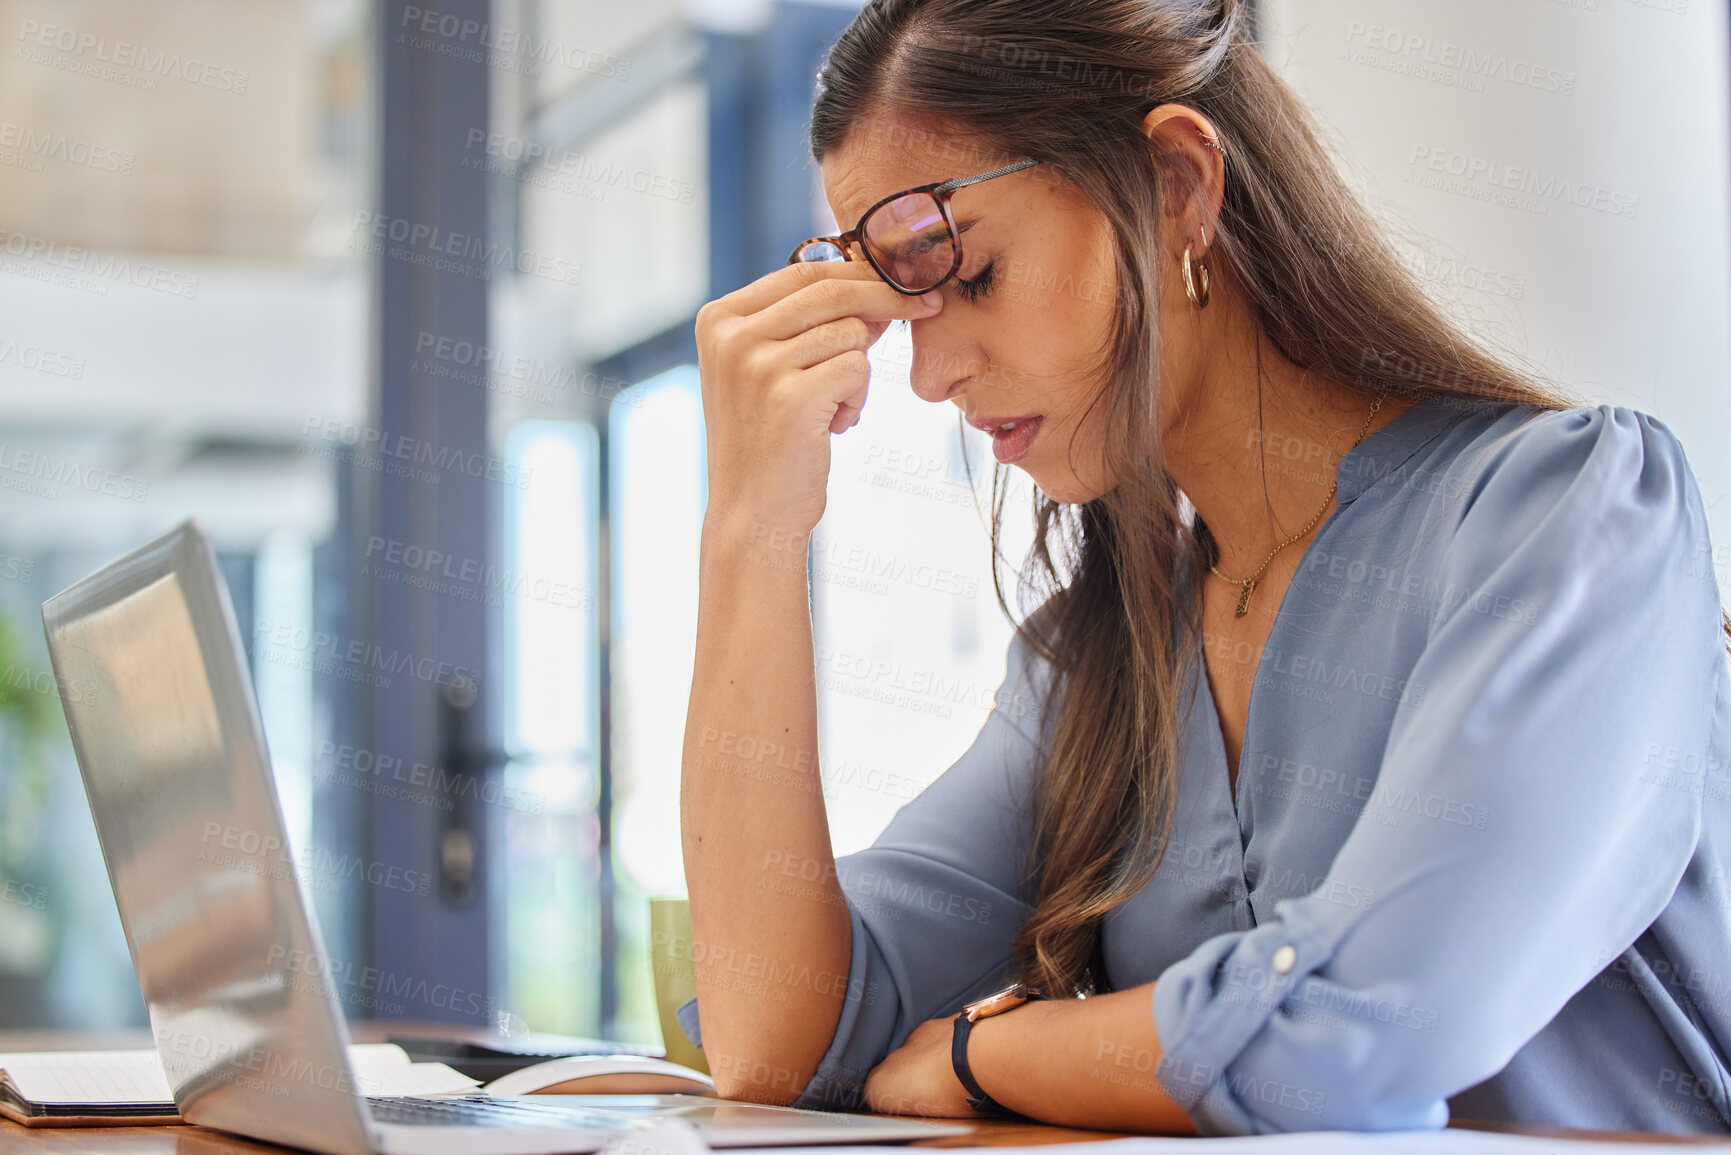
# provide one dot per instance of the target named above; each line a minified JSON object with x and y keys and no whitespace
{"x":1195,"y":275}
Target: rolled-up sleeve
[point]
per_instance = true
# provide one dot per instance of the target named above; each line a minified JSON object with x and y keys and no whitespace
{"x":1541,"y":728}
{"x":935,"y":903}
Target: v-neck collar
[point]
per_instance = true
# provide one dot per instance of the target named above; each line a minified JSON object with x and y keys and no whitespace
{"x":1376,"y":457}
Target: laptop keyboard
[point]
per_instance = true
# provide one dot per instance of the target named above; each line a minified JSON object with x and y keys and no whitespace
{"x":485,"y":1111}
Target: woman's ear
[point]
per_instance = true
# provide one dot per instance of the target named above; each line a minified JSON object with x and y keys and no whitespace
{"x":1191,"y":138}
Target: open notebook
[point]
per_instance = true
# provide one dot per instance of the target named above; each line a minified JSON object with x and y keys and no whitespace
{"x":85,"y":1088}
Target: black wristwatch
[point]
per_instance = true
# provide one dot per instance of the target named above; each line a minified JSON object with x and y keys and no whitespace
{"x":1006,"y":999}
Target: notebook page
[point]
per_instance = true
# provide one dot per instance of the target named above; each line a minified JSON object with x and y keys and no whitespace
{"x":142,"y":1057}
{"x":385,"y":1069}
{"x":413,"y":1079}
{"x":108,"y":1077}
{"x":100,"y":1077}
{"x":366,"y":1056}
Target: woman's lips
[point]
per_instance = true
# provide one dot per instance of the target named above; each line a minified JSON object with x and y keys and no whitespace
{"x":1011,"y":436}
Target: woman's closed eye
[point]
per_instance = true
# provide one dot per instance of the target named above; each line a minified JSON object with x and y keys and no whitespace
{"x":973,"y":290}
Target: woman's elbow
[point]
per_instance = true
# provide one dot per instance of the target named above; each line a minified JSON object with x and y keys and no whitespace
{"x":1369,"y":1077}
{"x":755,"y":1078}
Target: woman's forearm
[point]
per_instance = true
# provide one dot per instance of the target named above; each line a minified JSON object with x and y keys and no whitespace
{"x":769,"y":922}
{"x":1079,"y":1062}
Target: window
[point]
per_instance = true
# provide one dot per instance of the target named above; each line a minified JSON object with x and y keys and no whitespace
{"x":546,"y":865}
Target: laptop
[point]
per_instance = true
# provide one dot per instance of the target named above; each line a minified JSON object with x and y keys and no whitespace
{"x":166,"y":729}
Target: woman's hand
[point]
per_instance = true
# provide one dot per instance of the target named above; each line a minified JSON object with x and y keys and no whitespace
{"x":783,"y":365}
{"x":918,"y":1078}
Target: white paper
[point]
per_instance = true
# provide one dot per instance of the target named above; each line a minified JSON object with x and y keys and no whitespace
{"x":669,"y":1136}
{"x":103,"y":1077}
{"x":412,"y":1079}
{"x":109,"y":1077}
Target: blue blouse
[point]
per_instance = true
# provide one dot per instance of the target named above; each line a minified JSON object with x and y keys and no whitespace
{"x":1474,"y":863}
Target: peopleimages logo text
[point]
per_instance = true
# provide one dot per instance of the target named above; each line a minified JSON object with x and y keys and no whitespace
{"x":125,"y":54}
{"x":1535,"y":190}
{"x":468,"y":32}
{"x":1482,"y":64}
{"x":59,"y":146}
{"x":103,"y":268}
{"x":51,"y":471}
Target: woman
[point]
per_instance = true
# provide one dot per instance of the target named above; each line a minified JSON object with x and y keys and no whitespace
{"x":1364,"y":763}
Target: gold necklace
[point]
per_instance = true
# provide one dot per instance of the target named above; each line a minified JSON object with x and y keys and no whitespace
{"x":1248,"y":585}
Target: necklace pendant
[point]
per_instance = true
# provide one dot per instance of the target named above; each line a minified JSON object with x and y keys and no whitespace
{"x":1244,"y":598}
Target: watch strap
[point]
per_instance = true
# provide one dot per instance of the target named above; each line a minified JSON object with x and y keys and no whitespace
{"x":977,"y":1097}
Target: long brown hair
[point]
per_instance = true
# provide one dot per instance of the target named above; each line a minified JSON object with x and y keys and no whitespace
{"x":1069,"y":82}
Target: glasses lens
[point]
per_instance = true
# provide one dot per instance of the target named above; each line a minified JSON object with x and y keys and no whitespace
{"x":911,"y":241}
{"x":819,"y":251}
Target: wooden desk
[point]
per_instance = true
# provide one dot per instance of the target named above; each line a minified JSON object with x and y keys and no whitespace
{"x":185,"y":1140}
{"x":16,"y":1140}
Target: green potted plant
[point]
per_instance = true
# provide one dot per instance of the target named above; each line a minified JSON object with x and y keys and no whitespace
{"x":31,"y":724}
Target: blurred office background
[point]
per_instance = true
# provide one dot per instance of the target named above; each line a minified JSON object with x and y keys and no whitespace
{"x":397,"y":299}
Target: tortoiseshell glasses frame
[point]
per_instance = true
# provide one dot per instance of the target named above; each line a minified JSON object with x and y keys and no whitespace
{"x":919,"y":260}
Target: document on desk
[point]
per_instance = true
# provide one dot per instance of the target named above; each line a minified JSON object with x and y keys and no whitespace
{"x":88,"y":1088}
{"x":1446,"y":1142}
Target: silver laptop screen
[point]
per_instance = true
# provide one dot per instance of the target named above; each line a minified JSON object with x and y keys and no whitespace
{"x":162,"y":716}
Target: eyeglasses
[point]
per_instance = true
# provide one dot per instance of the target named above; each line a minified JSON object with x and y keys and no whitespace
{"x":909,"y":237}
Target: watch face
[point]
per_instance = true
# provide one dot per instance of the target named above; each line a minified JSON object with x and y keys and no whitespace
{"x":1011,"y":996}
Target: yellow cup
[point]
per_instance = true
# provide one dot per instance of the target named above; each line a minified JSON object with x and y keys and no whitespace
{"x":675,"y":977}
